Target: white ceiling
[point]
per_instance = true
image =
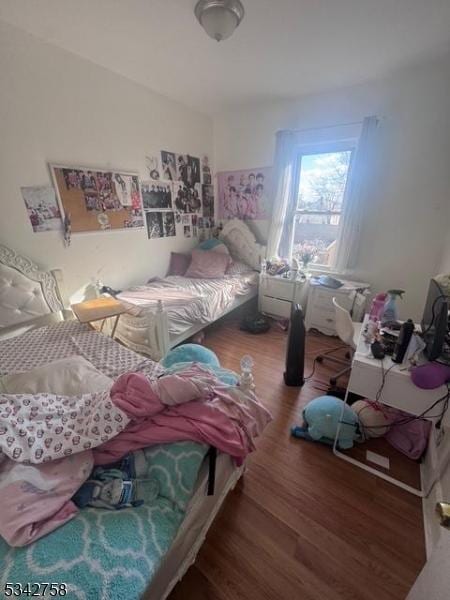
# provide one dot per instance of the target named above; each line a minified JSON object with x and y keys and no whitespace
{"x":282,"y":49}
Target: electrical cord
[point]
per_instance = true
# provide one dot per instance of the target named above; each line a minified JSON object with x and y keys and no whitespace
{"x":405,"y":421}
{"x":324,"y":354}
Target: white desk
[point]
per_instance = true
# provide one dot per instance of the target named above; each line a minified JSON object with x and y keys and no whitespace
{"x":399,"y":392}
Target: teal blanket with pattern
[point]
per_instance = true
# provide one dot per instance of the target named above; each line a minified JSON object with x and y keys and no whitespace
{"x":109,"y":555}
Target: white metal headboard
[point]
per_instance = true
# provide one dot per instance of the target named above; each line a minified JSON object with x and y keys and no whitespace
{"x":26,"y":292}
{"x":242,"y":243}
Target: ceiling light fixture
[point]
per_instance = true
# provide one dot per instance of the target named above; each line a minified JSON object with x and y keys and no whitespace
{"x":219,"y":18}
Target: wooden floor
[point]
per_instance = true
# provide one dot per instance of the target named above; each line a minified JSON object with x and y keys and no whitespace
{"x":302,"y":524}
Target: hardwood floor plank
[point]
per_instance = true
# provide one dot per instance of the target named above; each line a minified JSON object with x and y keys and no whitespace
{"x":302,"y":523}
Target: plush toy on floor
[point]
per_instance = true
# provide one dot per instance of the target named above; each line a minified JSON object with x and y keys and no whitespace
{"x":321,"y":417}
{"x":374,"y":418}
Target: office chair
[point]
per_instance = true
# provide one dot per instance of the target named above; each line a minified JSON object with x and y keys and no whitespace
{"x":349,"y":332}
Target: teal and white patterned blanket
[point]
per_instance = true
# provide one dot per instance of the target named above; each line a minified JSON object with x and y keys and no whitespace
{"x":109,"y":555}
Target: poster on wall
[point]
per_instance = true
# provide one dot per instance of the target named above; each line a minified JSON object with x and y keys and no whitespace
{"x":244,"y":194}
{"x":160,"y":224}
{"x":180,"y":167}
{"x":98,"y":200}
{"x":208,"y":200}
{"x":156,"y":194}
{"x":187,"y":199}
{"x":42,"y":208}
{"x":206,"y":171}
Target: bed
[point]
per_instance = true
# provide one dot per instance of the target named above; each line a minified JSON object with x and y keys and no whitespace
{"x":154,"y":325}
{"x":83,"y":553}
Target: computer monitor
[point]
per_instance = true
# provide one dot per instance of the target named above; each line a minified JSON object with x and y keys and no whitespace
{"x":435,"y":324}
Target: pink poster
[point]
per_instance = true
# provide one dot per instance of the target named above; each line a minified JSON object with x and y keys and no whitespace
{"x":245,"y":194}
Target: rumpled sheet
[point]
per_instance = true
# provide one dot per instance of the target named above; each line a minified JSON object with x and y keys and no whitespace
{"x":36,"y":499}
{"x":188,"y":300}
{"x":113,"y":555}
{"x":70,"y":338}
{"x":192,"y":405}
{"x":225,"y":417}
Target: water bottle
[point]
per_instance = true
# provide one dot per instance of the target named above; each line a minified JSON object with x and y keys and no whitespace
{"x":377,"y":308}
{"x":404,"y":337}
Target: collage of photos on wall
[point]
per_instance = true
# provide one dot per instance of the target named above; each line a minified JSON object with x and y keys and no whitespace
{"x":98,"y":200}
{"x":178,"y":197}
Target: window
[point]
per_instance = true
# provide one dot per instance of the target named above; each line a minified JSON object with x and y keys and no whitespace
{"x":321,"y":190}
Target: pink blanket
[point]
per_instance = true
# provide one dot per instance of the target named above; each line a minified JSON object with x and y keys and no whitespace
{"x":225,"y":417}
{"x":48,"y":443}
{"x":36,"y":499}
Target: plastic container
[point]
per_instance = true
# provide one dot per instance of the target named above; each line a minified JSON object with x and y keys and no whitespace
{"x":390,"y":313}
{"x":377,"y":307}
{"x":404,"y":337}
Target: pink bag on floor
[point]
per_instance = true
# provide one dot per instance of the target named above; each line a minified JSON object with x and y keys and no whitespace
{"x":410,"y":438}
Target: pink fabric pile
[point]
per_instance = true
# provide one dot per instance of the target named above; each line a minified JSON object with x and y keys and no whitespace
{"x":49,"y":443}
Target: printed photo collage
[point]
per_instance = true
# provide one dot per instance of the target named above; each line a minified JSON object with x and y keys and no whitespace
{"x":178,"y":196}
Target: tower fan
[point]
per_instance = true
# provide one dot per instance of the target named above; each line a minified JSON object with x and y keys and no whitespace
{"x":295,"y":351}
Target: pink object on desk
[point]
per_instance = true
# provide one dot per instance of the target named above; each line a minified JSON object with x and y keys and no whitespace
{"x":377,"y":307}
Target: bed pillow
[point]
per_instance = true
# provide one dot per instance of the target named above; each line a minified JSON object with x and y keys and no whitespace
{"x":68,"y":376}
{"x":207,"y":264}
{"x":239,"y":268}
{"x":179,"y":263}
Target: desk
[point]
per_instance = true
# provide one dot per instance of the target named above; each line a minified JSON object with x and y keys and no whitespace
{"x":398,"y":392}
{"x":99,"y":309}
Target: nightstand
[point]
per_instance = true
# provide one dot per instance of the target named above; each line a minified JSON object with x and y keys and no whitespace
{"x":276,"y":294}
{"x":320,"y":313}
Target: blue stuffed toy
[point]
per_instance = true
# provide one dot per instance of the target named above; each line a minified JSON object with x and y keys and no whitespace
{"x":183,"y":356}
{"x":224,"y":375}
{"x":190,"y":353}
{"x":321,"y":417}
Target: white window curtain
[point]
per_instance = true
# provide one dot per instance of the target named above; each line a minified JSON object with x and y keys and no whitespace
{"x":356,"y":194}
{"x":282,"y":224}
{"x":289,"y":145}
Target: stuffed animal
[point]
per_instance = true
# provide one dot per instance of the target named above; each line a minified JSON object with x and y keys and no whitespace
{"x":190,"y":353}
{"x":116,"y":486}
{"x":321,"y":417}
{"x":224,"y":375}
{"x":374,"y":419}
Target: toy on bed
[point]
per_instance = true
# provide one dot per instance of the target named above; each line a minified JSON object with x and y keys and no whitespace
{"x":183,"y":356}
{"x":321,"y":418}
{"x":117,"y":486}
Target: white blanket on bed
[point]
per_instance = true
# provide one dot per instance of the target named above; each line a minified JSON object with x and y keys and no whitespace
{"x":189,"y":301}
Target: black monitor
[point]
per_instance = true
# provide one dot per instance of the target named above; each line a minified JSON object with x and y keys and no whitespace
{"x":435,"y":324}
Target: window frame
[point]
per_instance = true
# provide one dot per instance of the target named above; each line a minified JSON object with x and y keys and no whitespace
{"x":321,"y":148}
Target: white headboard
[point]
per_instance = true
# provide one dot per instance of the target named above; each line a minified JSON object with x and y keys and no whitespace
{"x":26,"y":293}
{"x":242,"y":243}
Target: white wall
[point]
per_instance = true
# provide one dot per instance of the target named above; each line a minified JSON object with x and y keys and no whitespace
{"x":405,"y":224}
{"x":444,"y":265}
{"x":57,"y":107}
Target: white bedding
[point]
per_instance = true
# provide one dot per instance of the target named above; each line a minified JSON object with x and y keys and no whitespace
{"x":189,"y":301}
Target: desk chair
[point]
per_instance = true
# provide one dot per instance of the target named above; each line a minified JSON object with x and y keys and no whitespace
{"x":349,"y":332}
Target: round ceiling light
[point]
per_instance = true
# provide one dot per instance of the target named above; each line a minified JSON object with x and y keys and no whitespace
{"x":219,"y":18}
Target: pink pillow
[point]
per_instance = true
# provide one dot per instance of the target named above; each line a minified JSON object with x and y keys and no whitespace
{"x":207,"y":264}
{"x":179,"y":263}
